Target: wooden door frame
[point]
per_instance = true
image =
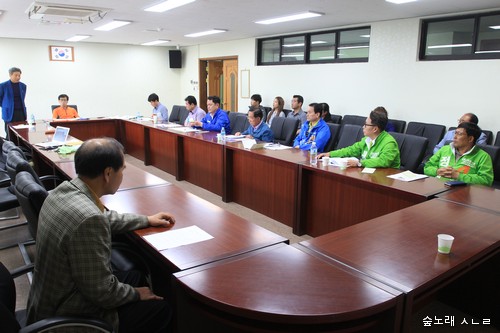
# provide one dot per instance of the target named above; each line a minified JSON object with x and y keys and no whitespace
{"x":203,"y":75}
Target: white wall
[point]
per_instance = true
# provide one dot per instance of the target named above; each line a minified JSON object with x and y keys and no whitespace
{"x":104,"y":80}
{"x":428,"y":91}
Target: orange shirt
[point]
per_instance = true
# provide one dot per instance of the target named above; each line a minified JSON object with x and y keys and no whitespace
{"x":61,"y":113}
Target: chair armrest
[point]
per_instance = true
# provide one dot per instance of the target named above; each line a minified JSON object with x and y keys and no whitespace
{"x":16,"y":272}
{"x":60,"y":322}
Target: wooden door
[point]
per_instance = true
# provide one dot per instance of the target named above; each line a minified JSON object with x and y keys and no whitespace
{"x":230,"y":89}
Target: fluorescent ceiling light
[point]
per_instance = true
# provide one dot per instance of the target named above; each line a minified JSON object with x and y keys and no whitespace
{"x":364,"y":36}
{"x":167,"y":5}
{"x":112,"y":25}
{"x":487,"y":52}
{"x":398,"y":2}
{"x":496,"y":27}
{"x":205,"y":33}
{"x":447,"y":46}
{"x":293,"y":17}
{"x":156,"y":42}
{"x":77,"y":38}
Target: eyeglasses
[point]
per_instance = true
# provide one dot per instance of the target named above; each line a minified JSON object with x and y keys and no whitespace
{"x":368,"y":125}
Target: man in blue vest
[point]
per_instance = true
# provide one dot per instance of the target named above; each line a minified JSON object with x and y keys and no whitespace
{"x":12,"y":94}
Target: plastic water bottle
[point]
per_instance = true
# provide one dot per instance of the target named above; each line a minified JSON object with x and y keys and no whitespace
{"x":313,"y":154}
{"x":223,"y":134}
{"x":138,"y":115}
{"x":32,"y":120}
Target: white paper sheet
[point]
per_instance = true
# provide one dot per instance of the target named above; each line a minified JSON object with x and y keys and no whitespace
{"x":177,"y":237}
{"x":184,"y":129}
{"x":407,"y":176}
{"x":276,"y":146}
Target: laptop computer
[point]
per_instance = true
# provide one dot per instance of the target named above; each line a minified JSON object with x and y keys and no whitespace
{"x":60,"y":135}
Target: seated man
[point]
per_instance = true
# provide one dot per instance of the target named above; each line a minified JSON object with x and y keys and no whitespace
{"x":215,"y":119}
{"x":195,"y":112}
{"x":258,"y":129}
{"x":64,"y":111}
{"x":313,"y":129}
{"x":377,"y":149}
{"x":462,"y":159}
{"x":466,"y":118}
{"x":73,"y":273}
{"x":159,"y":110}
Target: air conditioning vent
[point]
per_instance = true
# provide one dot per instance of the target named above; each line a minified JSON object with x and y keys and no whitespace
{"x":56,"y":13}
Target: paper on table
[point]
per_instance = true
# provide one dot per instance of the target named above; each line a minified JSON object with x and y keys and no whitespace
{"x":178,"y":237}
{"x":276,"y":146}
{"x":368,"y":170}
{"x":184,"y":129}
{"x":336,"y":161}
{"x":169,"y":125}
{"x":21,"y":126}
{"x":407,"y":176}
{"x":231,"y":137}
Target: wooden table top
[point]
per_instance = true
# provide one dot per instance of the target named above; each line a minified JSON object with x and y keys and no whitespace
{"x":483,"y":197}
{"x":426,"y":187}
{"x":232,"y":234}
{"x":133,"y":177}
{"x":292,"y":155}
{"x":284,"y":284}
{"x":400,"y":249}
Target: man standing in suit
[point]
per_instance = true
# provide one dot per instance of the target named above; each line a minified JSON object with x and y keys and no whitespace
{"x":12,"y":94}
{"x":73,"y":274}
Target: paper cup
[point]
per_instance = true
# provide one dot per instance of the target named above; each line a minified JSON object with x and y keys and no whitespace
{"x":325,"y":160}
{"x":444,"y":243}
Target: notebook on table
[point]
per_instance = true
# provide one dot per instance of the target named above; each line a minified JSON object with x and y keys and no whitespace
{"x":60,"y":136}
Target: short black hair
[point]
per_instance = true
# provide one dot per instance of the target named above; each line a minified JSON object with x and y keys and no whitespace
{"x":191,"y":100}
{"x":317,"y":108}
{"x":299,"y":98}
{"x":95,"y":155}
{"x":215,"y":99}
{"x":257,"y":98}
{"x":153,"y":98}
{"x":471,"y":129}
{"x":379,"y":119}
{"x":63,"y":96}
{"x":257,"y":112}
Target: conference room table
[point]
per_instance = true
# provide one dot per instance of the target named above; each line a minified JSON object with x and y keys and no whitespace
{"x":400,"y":249}
{"x":232,"y":235}
{"x":283,"y":289}
{"x":332,"y":198}
{"x":482,"y":197}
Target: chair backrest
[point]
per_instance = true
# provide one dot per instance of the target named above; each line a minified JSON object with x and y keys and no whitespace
{"x":284,"y":130}
{"x":239,"y":122}
{"x":399,"y":125}
{"x":178,"y":114}
{"x":433,"y":132}
{"x":489,"y":136}
{"x":349,"y":135}
{"x":31,"y":196}
{"x":7,"y":301}
{"x":334,"y":136}
{"x":7,"y":146}
{"x":494,"y":152}
{"x":497,"y":139}
{"x":353,"y":120}
{"x":336,"y":119}
{"x":411,"y":150}
{"x":286,"y":112}
{"x":74,"y":106}
{"x":17,"y":163}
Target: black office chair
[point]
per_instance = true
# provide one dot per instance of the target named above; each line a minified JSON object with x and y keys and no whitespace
{"x":178,"y":114}
{"x":284,"y":130}
{"x":17,"y":163}
{"x":411,"y":149}
{"x":286,"y":112}
{"x":353,"y":120}
{"x":497,"y":139}
{"x":336,"y":119}
{"x":13,"y":321}
{"x":433,"y":132}
{"x":238,"y":122}
{"x":334,"y":136}
{"x":494,"y":152}
{"x":399,"y":125}
{"x":349,"y":134}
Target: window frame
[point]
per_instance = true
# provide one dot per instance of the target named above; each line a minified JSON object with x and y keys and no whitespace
{"x":424,"y":24}
{"x":307,"y":49}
